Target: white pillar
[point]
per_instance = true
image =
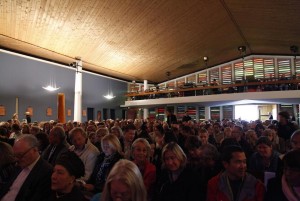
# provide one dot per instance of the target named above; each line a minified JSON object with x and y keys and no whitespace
{"x":207,"y":113}
{"x":78,"y":92}
{"x":146,"y":110}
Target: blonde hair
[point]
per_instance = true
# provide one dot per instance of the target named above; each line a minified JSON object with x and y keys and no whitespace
{"x":176,"y":149}
{"x":145,"y":142}
{"x":128,"y":173}
{"x":113,"y":142}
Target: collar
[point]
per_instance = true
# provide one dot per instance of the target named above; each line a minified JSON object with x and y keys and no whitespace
{"x":30,"y":167}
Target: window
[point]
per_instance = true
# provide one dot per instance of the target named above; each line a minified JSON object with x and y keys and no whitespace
{"x":202,"y":77}
{"x":191,"y":79}
{"x":226,"y":73}
{"x":297,"y":68}
{"x":284,"y":67}
{"x":214,"y":74}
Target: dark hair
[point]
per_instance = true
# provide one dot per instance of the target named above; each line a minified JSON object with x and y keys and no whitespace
{"x":169,"y":136}
{"x":128,"y":127}
{"x":160,"y":128}
{"x":284,"y":114}
{"x":72,"y":163}
{"x":263,"y":140}
{"x":292,"y":159}
{"x":192,"y":142}
{"x":228,"y":142}
{"x":228,"y":151}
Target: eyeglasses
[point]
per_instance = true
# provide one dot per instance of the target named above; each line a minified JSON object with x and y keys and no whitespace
{"x":19,"y":156}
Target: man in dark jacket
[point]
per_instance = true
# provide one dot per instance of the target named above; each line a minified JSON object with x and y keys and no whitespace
{"x":33,"y":180}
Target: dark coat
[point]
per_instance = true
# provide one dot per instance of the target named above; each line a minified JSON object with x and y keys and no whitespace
{"x":74,"y":195}
{"x":274,"y":190}
{"x":37,"y":186}
{"x":60,"y":148}
{"x":186,"y":187}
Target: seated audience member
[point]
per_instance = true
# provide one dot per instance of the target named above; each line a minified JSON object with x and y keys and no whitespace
{"x":25,"y":129}
{"x":34,"y":130}
{"x":100,"y":133}
{"x":129,"y":135}
{"x":277,"y":143}
{"x":117,"y":131}
{"x":43,"y":141}
{"x":234,"y":183}
{"x":287,"y":187}
{"x":124,"y":182}
{"x":177,"y":182}
{"x":227,"y":133}
{"x":105,"y":161}
{"x":218,"y":134}
{"x":86,"y":151}
{"x":265,"y":159}
{"x":203,"y":135}
{"x":67,"y":169}
{"x":295,"y":140}
{"x":251,"y":138}
{"x":90,"y":129}
{"x":141,"y":155}
{"x":210,"y":131}
{"x":57,"y":145}
{"x":193,"y":145}
{"x":238,"y":134}
{"x":7,"y":163}
{"x":93,"y":138}
{"x":34,"y":179}
{"x":15,"y":131}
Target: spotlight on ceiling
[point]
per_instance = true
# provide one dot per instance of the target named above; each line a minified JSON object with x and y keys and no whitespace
{"x":242,"y":49}
{"x":205,"y":59}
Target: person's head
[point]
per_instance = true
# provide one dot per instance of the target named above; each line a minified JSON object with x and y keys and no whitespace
{"x":193,"y":144}
{"x":110,"y":144}
{"x":92,"y":137}
{"x":283,"y":117}
{"x":227,"y":132}
{"x":26,"y":150}
{"x":7,"y":154}
{"x":251,"y":136}
{"x":203,"y":135}
{"x":124,"y":183}
{"x":237,"y":132}
{"x":57,"y":135}
{"x":264,"y":147}
{"x":295,"y":140}
{"x":129,"y":133}
{"x":78,"y":137}
{"x":216,"y":127}
{"x":291,"y":163}
{"x":269,"y":133}
{"x":25,"y":129}
{"x":208,"y":155}
{"x":173,"y":157}
{"x":101,"y":132}
{"x":117,"y":131}
{"x":140,"y":150}
{"x":91,"y":128}
{"x":34,"y":130}
{"x":234,"y":162}
{"x":15,"y":127}
{"x":68,"y":167}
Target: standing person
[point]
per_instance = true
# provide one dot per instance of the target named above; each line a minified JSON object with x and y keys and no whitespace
{"x":124,"y":182}
{"x":285,"y":127}
{"x":34,"y":179}
{"x":67,"y":169}
{"x":177,"y":182}
{"x":186,"y":117}
{"x":171,"y":118}
{"x":28,"y":117}
{"x":234,"y":183}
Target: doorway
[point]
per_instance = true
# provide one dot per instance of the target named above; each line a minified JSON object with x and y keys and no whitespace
{"x":90,"y":113}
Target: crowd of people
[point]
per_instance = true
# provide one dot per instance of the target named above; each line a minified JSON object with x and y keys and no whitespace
{"x":150,"y":160}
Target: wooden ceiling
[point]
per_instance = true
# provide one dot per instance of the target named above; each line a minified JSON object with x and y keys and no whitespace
{"x":144,"y":39}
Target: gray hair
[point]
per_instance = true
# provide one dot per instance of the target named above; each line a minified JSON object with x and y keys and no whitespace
{"x":77,"y":130}
{"x":31,"y":140}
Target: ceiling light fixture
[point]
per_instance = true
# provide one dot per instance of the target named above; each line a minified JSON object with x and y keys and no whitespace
{"x":109,"y":94}
{"x":51,"y":86}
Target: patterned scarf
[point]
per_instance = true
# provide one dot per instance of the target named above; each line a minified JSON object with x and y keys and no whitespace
{"x":104,"y":168}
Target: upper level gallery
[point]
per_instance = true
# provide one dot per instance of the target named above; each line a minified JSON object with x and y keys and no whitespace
{"x":254,"y":79}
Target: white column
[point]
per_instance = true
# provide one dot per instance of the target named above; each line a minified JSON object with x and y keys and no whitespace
{"x":146,"y":110}
{"x":78,"y":92}
{"x":207,"y":113}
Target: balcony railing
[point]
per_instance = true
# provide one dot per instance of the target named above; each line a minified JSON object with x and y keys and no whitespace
{"x":213,"y":88}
